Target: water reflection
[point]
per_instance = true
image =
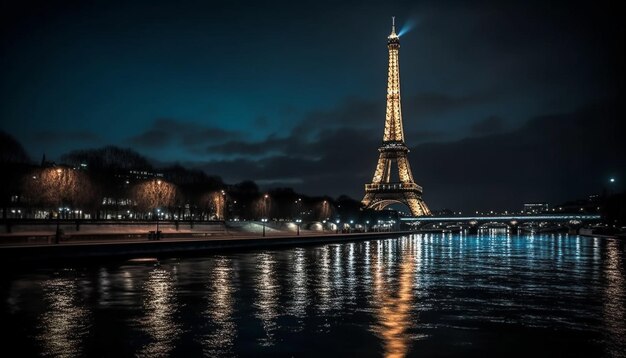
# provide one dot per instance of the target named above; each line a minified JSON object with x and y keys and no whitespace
{"x":393,"y":302}
{"x":322,"y":284}
{"x":402,"y":296}
{"x":299,"y":295}
{"x":220,"y":309}
{"x":65,"y":323}
{"x":615,"y":299}
{"x":268,"y":289}
{"x":160,"y":306}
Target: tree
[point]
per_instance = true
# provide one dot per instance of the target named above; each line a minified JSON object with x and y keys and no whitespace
{"x":15,"y":164}
{"x":59,"y":187}
{"x":11,"y":151}
{"x":213,"y":204}
{"x":109,"y":158}
{"x":153,"y":194}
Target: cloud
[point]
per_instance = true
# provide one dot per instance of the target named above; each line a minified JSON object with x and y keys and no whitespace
{"x":79,"y":136}
{"x":364,"y":113}
{"x":489,"y":125}
{"x":192,"y":136}
{"x":551,"y":158}
{"x":420,"y":136}
{"x":366,"y":116}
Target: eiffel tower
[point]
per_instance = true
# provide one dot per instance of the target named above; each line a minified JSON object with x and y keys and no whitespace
{"x":382,"y":191}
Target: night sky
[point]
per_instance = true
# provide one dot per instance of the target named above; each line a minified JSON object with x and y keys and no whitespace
{"x":502,"y":104}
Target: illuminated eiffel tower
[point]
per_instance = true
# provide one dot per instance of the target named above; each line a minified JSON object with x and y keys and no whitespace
{"x":383,"y":191}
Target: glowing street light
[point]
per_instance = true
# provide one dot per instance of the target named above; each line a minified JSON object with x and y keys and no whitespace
{"x":264,"y":220}
{"x":298,"y":221}
{"x":157,"y":220}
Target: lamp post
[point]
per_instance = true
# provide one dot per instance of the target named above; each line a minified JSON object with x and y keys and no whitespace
{"x":158,"y":212}
{"x":159,"y":182}
{"x":224,"y":205}
{"x":611,"y":185}
{"x":264,"y":220}
{"x":298,"y":221}
{"x":338,"y":221}
{"x":57,"y":235}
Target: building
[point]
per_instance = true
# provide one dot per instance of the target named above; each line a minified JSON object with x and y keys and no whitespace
{"x":535,"y":208}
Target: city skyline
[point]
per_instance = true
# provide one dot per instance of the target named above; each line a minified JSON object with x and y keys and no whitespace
{"x":513,"y":104}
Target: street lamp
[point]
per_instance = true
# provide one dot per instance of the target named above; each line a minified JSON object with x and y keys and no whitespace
{"x":264,"y":220}
{"x":338,"y":221}
{"x":224,"y":205}
{"x":156,"y":234}
{"x":157,"y":223}
{"x":298,"y":221}
{"x":57,"y":235}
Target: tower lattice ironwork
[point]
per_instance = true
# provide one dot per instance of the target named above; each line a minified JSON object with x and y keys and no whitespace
{"x":383,"y":191}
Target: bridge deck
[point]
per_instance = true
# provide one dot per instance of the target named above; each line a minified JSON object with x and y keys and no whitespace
{"x":504,"y":218}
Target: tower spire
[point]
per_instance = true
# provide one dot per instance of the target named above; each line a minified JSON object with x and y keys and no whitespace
{"x":393,"y":28}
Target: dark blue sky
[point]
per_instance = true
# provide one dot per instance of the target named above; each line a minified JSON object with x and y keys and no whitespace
{"x":502,"y":103}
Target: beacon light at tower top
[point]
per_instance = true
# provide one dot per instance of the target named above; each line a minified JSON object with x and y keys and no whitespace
{"x":406,"y":27}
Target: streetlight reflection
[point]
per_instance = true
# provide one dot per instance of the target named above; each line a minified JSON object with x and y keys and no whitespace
{"x":65,"y":323}
{"x":220,"y":309}
{"x":160,"y":305}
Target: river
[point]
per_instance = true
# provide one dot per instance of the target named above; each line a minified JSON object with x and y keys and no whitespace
{"x":422,"y":295}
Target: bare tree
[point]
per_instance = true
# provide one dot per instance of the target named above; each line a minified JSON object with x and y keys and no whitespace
{"x":59,"y":186}
{"x":324,"y":210}
{"x":213,"y":204}
{"x":152,"y":194}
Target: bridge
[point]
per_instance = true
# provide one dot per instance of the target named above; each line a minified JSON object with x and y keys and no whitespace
{"x":510,"y":221}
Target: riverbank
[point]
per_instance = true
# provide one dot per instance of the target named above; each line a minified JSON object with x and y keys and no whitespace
{"x":51,"y":253}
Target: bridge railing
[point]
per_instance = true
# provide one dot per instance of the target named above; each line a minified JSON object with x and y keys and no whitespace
{"x":392,"y":187}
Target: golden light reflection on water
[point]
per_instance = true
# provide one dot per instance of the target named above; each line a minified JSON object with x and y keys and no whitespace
{"x":337,"y":277}
{"x":351,"y":277}
{"x":615,"y":299}
{"x":65,"y":322}
{"x":268,"y":290}
{"x":300,"y":297}
{"x":393,"y":302}
{"x":323,"y":287}
{"x":160,"y":307}
{"x":220,"y":309}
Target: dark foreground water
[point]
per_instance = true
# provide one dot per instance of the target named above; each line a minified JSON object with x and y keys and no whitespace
{"x":423,"y":295}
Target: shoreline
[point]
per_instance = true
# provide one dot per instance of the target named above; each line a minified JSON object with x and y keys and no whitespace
{"x":77,"y":251}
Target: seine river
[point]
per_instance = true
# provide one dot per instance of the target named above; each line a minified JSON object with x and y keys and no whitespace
{"x":425,"y":295}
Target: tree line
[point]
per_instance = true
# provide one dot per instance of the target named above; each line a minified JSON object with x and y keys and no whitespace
{"x":119,"y":183}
